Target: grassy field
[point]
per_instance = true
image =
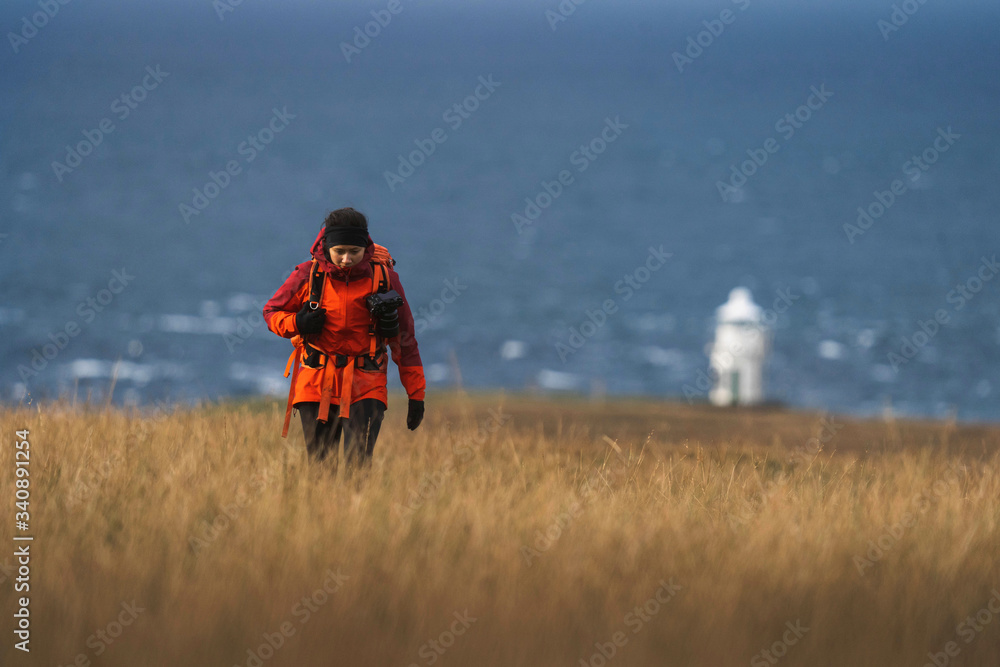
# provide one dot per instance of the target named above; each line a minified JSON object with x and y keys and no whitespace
{"x":506,"y":531}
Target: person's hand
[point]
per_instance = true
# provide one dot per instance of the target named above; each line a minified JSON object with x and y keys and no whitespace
{"x":414,"y":414}
{"x":309,"y":321}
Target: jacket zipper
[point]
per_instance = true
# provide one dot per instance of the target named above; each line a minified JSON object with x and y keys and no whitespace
{"x":347,"y":284}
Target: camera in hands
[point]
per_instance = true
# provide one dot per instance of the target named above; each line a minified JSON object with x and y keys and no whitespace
{"x":383,"y":307}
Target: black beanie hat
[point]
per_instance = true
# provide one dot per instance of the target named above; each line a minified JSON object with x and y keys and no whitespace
{"x":345,"y":236}
{"x":346,"y":226}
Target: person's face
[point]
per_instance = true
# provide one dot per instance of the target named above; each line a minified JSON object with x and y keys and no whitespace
{"x":346,"y":256}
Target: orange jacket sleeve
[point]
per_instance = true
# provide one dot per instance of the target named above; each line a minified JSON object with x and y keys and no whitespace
{"x":280,"y":310}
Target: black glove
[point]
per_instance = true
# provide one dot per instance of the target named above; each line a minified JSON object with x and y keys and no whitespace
{"x":414,"y":414}
{"x":309,"y":321}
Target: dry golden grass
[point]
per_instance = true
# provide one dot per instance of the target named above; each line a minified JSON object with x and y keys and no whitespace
{"x":536,"y":527}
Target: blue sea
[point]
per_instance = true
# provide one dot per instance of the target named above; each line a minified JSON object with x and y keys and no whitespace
{"x":163,"y":166}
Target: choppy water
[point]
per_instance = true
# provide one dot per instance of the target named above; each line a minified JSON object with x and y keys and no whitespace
{"x":185,"y":319}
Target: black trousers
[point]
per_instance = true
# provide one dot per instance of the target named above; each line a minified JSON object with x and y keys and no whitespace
{"x":360,"y":430}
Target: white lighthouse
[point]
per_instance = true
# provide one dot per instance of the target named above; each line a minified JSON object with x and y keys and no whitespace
{"x":739,"y":351}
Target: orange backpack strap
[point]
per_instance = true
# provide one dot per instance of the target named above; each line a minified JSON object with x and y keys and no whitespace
{"x":380,"y":283}
{"x":316,"y":282}
{"x":380,"y":278}
{"x":294,"y":362}
{"x":326,"y":393}
{"x":317,"y":279}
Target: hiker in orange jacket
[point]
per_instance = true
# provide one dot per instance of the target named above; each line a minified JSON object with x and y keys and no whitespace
{"x":339,"y":362}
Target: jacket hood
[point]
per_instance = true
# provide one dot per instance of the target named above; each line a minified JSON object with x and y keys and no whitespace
{"x":359,"y":270}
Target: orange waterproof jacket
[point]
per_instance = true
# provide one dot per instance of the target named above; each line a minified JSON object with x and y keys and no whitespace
{"x":346,"y":340}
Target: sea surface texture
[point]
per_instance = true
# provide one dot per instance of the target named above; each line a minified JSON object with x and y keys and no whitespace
{"x":569,"y":195}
